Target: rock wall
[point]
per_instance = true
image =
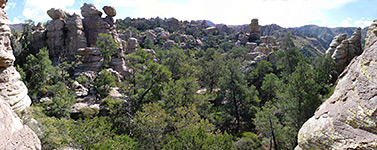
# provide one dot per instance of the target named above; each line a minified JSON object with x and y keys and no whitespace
{"x":348,"y":119}
{"x":13,"y":95}
{"x":12,"y":90}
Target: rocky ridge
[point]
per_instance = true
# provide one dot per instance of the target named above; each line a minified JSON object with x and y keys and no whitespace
{"x":347,"y":120}
{"x":13,"y":96}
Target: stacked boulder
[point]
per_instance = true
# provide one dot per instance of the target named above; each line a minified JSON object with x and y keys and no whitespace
{"x":56,"y":34}
{"x":75,"y":38}
{"x":254,"y":29}
{"x":347,"y":120}
{"x":13,"y":95}
{"x":343,"y":51}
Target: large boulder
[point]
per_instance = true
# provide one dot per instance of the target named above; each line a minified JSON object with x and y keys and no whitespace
{"x":56,"y":13}
{"x":347,"y":120}
{"x":15,"y":135}
{"x":110,"y":11}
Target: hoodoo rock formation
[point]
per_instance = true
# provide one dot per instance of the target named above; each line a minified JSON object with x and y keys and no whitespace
{"x":255,"y":31}
{"x":12,"y":90}
{"x":347,"y":120}
{"x":13,"y":95}
{"x":343,"y":51}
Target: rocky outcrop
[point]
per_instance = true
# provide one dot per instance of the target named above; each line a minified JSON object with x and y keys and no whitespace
{"x":75,"y":36}
{"x":37,"y":37}
{"x":12,"y":90}
{"x":343,"y":51}
{"x":347,"y":120}
{"x":254,"y":29}
{"x":56,"y":34}
{"x":15,"y":135}
{"x":131,"y":45}
{"x":91,"y":59}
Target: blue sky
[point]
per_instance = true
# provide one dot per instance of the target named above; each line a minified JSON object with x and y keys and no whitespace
{"x":286,"y":13}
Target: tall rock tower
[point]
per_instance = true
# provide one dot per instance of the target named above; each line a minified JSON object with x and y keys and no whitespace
{"x":13,"y":95}
{"x":254,"y":30}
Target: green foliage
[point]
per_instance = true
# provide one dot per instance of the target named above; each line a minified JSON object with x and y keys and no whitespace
{"x":62,"y":101}
{"x":104,"y":83}
{"x":238,"y":100}
{"x":106,"y":44}
{"x":248,"y":141}
{"x":150,"y":125}
{"x":198,"y":138}
{"x":39,"y":72}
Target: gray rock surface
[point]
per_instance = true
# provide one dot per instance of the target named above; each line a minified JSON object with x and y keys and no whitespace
{"x":56,"y":36}
{"x":12,"y":90}
{"x":110,"y":11}
{"x":75,"y":36}
{"x":347,"y":120}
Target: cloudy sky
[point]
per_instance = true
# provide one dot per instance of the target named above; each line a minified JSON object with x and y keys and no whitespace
{"x":286,"y":13}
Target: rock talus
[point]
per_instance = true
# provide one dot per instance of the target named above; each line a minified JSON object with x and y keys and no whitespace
{"x":13,"y":95}
{"x":348,"y":119}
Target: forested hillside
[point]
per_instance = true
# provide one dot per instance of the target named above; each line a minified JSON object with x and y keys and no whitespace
{"x":169,"y":84}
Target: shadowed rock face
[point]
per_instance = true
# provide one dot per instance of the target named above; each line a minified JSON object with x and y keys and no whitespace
{"x":13,"y":95}
{"x":348,"y":119}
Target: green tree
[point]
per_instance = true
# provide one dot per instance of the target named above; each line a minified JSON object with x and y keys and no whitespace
{"x":238,"y":100}
{"x":39,"y":72}
{"x":104,"y":83}
{"x":62,"y":101}
{"x":150,"y":126}
{"x":106,"y":44}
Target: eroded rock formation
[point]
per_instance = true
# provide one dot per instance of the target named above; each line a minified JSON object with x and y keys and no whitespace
{"x":254,"y":29}
{"x":56,"y":34}
{"x":343,"y":51}
{"x":347,"y":120}
{"x":13,"y":95}
{"x":12,"y":90}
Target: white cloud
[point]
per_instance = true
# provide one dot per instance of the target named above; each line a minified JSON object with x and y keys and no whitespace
{"x":364,"y":22}
{"x":16,"y":21}
{"x":287,"y":13}
{"x":346,"y":22}
{"x":10,"y":5}
{"x":37,"y":9}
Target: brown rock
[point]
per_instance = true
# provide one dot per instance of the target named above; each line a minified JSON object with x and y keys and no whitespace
{"x":254,"y":28}
{"x":75,"y":38}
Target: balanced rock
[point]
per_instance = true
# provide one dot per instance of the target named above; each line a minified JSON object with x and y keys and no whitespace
{"x":56,"y":36}
{"x":110,"y":11}
{"x":56,"y":13}
{"x":347,"y":120}
{"x":89,"y":10}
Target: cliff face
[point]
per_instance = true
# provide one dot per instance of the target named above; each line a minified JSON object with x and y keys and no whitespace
{"x":12,"y":90}
{"x":13,"y":95}
{"x":348,"y":119}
